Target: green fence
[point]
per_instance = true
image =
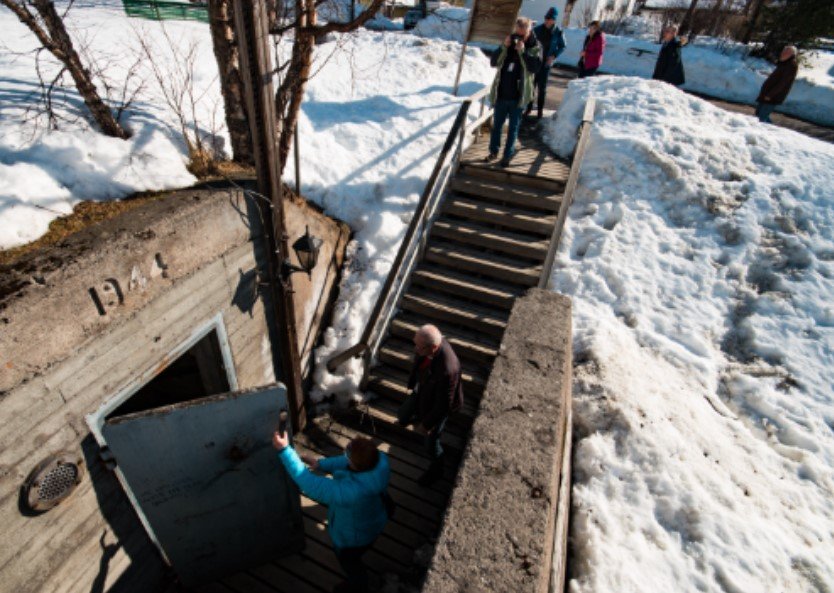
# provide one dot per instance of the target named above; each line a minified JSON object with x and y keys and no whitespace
{"x":159,"y":11}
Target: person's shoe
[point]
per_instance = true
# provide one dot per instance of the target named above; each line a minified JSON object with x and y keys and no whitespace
{"x":505,"y":162}
{"x":539,"y":114}
{"x":528,"y":111}
{"x":490,"y":157}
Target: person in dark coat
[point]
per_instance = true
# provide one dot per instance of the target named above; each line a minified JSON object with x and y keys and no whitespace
{"x":669,"y":67}
{"x":552,"y":41}
{"x":593,"y":48}
{"x":777,"y":86}
{"x":436,"y":392}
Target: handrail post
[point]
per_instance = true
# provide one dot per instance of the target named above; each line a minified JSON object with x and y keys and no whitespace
{"x":367,"y":344}
{"x":570,"y":188}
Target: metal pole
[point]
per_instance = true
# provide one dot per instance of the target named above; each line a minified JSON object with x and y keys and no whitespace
{"x":297,"y":159}
{"x":252,"y":31}
{"x":463,"y":49}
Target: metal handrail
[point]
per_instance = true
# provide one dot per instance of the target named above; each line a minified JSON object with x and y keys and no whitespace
{"x":410,"y":247}
{"x":584,"y":133}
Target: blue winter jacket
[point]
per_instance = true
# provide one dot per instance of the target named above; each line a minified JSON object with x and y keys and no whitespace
{"x":355,"y":512}
{"x":557,"y":43}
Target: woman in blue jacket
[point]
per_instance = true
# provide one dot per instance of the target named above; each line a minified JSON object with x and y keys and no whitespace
{"x":356,"y":512}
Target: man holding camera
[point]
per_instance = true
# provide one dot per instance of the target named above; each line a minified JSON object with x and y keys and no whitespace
{"x":518,"y":60}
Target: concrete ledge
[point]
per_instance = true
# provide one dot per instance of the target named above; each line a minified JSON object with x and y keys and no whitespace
{"x":498,"y":533}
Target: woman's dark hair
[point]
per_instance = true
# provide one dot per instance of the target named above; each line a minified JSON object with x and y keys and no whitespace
{"x":594,"y":24}
{"x":362,"y":454}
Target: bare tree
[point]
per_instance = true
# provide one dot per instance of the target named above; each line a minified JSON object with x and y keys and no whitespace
{"x":48,"y":26}
{"x":231,"y":84}
{"x":296,"y":72}
{"x":754,"y":17}
{"x":174,"y":69}
{"x":688,"y":18}
{"x":568,"y":10}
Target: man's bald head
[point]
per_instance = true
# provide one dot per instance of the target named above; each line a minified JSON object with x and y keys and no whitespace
{"x":788,"y":52}
{"x":427,"y":340}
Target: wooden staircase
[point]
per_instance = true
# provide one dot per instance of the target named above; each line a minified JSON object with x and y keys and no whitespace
{"x":486,"y":248}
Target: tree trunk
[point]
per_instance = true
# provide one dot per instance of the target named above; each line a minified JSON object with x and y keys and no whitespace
{"x":716,"y":17}
{"x":56,"y":39}
{"x":686,"y":23}
{"x":231,"y":84}
{"x":751,"y":24}
{"x":568,"y":10}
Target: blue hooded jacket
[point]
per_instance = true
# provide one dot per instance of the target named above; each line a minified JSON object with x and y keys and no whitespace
{"x":355,"y":512}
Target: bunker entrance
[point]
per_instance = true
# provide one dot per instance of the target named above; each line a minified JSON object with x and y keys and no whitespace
{"x":193,"y":452}
{"x":196,"y":373}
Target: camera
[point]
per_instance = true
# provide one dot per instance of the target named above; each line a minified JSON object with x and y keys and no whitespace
{"x":515,"y":37}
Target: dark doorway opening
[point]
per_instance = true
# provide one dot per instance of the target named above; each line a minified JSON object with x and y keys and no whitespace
{"x":197,"y":373}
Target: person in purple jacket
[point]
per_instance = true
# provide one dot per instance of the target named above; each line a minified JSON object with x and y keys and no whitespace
{"x":590,"y":58}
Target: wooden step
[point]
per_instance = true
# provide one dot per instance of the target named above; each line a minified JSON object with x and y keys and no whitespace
{"x":516,"y":195}
{"x":512,"y":244}
{"x":391,"y":382}
{"x":466,"y":345}
{"x":463,"y":259}
{"x":399,"y":353}
{"x":488,"y":321}
{"x":495,"y":294}
{"x":380,"y":423}
{"x":462,"y":419}
{"x":482,"y":171}
{"x":505,"y":216}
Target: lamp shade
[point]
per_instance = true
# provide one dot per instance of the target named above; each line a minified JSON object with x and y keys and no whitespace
{"x":307,"y":250}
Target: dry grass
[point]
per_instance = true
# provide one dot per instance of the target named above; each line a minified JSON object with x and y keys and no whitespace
{"x":88,"y":213}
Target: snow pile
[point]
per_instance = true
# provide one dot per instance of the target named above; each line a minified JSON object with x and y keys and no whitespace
{"x":719,"y":69}
{"x":43,"y":174}
{"x":449,"y":23}
{"x":699,"y":254}
{"x":373,"y":120}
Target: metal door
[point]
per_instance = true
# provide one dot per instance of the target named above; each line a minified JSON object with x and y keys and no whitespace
{"x":207,"y":483}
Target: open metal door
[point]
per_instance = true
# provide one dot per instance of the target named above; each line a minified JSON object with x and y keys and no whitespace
{"x":207,"y":483}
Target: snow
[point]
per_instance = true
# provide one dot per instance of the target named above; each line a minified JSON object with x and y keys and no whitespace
{"x":373,"y":121}
{"x":44,"y":173}
{"x":449,"y":23}
{"x":698,"y":254}
{"x":715,"y":67}
{"x":720,"y":69}
{"x":378,"y":104}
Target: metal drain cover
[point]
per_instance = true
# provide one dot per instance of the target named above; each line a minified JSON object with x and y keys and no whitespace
{"x":52,"y":481}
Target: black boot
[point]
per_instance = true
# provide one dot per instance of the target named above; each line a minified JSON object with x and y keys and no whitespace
{"x":432,"y":474}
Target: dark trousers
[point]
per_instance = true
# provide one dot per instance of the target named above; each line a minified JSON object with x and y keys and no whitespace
{"x":763,"y":111}
{"x":350,"y":559}
{"x":407,"y":413}
{"x":541,"y":88}
{"x":504,"y":109}
{"x":585,"y":72}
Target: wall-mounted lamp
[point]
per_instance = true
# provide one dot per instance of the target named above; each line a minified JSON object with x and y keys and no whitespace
{"x":307,"y":251}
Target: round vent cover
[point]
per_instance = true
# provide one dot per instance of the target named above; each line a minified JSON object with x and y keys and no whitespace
{"x":53,"y":481}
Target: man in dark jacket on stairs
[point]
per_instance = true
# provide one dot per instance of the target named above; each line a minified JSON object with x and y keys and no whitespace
{"x":436,"y":392}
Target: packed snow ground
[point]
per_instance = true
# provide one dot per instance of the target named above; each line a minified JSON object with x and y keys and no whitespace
{"x":378,"y":105}
{"x":699,"y":254}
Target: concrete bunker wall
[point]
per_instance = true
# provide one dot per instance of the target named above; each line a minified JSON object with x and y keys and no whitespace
{"x":89,"y":317}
